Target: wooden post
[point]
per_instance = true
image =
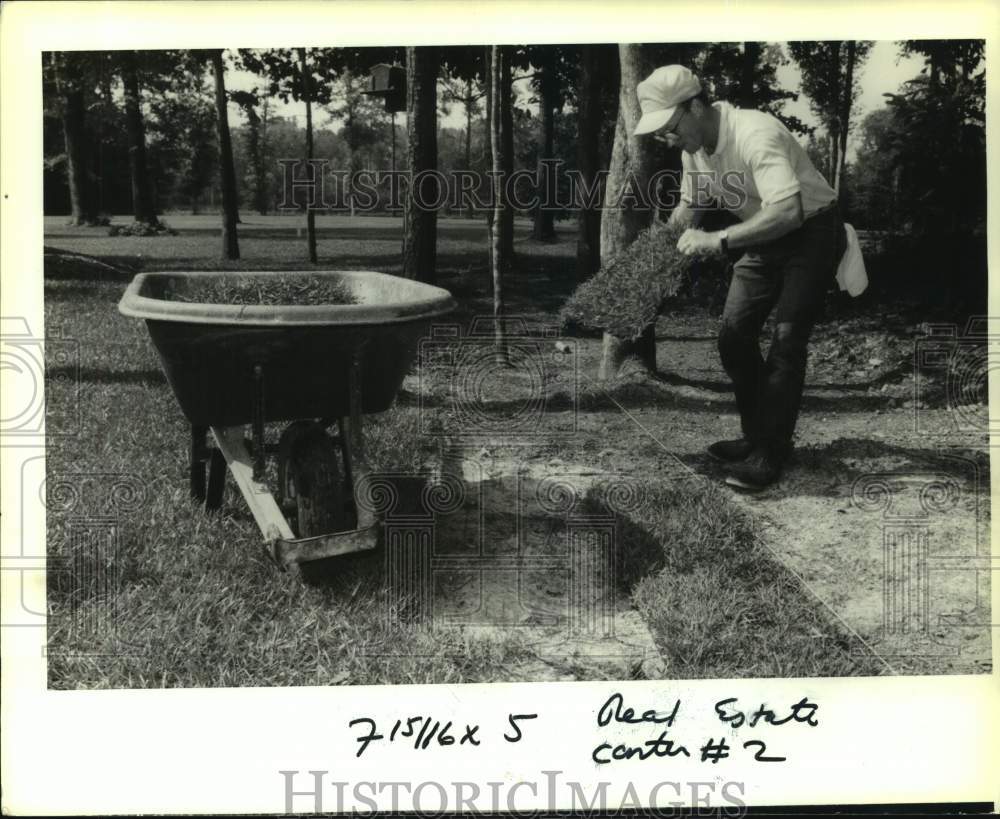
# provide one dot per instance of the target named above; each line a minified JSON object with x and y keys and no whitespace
{"x":307,"y":94}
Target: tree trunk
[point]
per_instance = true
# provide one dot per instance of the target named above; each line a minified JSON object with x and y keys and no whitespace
{"x":488,"y":142}
{"x":420,"y":225}
{"x":349,"y":126}
{"x":845,"y":119}
{"x":230,"y":243}
{"x":307,"y":97}
{"x":469,"y":102}
{"x":253,"y":154}
{"x":143,"y":204}
{"x":834,"y":126}
{"x":833,"y":147}
{"x":506,"y":110}
{"x":621,"y":358}
{"x":544,"y":224}
{"x":499,"y":79}
{"x":630,"y":157}
{"x":104,"y":197}
{"x":255,"y":151}
{"x":81,"y":194}
{"x":751,"y":54}
{"x":588,"y":160}
{"x":897,"y":175}
{"x":261,"y":194}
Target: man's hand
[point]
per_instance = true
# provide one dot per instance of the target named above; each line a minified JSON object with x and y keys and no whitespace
{"x":697,"y":242}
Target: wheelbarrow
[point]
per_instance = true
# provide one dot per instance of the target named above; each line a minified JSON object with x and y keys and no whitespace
{"x":317,"y":367}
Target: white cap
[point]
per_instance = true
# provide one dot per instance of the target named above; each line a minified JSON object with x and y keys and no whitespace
{"x":660,"y":94}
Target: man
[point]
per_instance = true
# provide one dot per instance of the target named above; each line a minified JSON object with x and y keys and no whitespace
{"x":791,"y":235}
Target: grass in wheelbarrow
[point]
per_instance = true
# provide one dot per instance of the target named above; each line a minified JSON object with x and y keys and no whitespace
{"x":263,"y":290}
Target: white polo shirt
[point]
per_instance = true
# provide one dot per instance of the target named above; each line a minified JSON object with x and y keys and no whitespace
{"x":756,"y":162}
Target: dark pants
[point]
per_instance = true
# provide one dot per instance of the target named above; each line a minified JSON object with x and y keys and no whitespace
{"x":794,"y":273}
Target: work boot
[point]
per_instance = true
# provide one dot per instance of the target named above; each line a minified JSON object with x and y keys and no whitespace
{"x":760,"y":469}
{"x":731,"y":451}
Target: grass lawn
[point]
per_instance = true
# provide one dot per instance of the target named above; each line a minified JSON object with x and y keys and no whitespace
{"x":198,"y":603}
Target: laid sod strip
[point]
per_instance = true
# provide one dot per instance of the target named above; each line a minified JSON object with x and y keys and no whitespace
{"x":624,"y":297}
{"x":716,"y":602}
{"x":262,"y":291}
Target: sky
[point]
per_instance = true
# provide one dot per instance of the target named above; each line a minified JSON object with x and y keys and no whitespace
{"x":882,"y":73}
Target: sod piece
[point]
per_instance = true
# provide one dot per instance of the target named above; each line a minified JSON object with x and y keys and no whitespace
{"x":625,"y":295}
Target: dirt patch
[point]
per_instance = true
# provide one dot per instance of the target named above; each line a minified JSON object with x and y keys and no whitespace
{"x":883,"y":512}
{"x":519,"y":546}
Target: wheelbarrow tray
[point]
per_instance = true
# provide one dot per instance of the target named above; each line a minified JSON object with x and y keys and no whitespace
{"x":231,"y":365}
{"x":210,"y":352}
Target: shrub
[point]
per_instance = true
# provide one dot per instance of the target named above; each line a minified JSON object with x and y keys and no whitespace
{"x":142,"y":229}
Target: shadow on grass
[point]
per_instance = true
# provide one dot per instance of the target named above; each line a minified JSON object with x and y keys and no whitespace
{"x":101,"y":376}
{"x":369,"y":567}
{"x":646,"y":393}
{"x":63,"y":265}
{"x":477,"y":535}
{"x":846,"y":460}
{"x":71,"y":291}
{"x":832,"y":470}
{"x":893,"y":375}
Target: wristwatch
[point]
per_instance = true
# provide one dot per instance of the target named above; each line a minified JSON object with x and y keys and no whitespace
{"x":724,"y":241}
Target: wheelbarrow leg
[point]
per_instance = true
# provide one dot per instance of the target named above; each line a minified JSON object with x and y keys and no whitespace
{"x":258,"y":423}
{"x":216,"y":480}
{"x":353,"y":442}
{"x":202,"y":455}
{"x":198,"y":454}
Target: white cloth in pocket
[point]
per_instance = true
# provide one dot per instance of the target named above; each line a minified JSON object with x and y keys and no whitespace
{"x":851,"y":273}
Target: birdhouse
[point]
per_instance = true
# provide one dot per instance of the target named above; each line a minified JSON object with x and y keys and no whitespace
{"x":389,"y":82}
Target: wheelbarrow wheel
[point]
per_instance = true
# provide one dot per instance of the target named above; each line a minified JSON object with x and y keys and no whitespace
{"x":315,"y":477}
{"x":285,"y":494}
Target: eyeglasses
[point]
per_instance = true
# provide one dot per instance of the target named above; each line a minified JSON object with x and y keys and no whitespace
{"x":664,"y":135}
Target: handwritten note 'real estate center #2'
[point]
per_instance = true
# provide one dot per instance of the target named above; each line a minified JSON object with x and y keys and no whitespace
{"x":666,"y":740}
